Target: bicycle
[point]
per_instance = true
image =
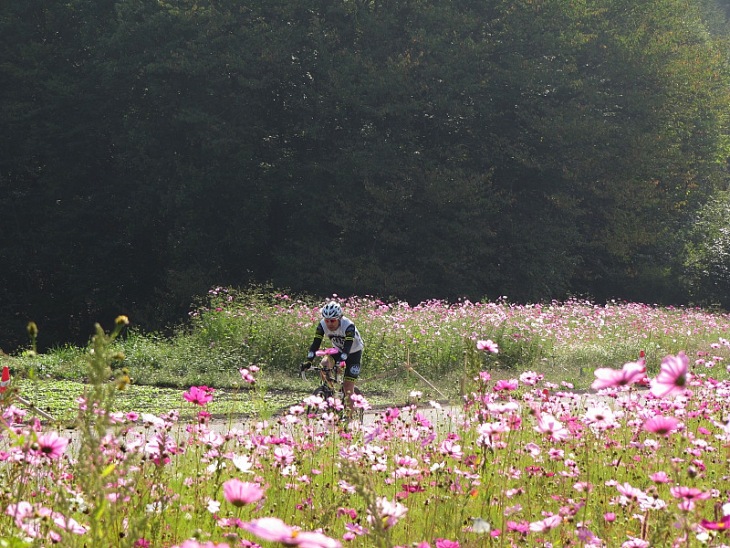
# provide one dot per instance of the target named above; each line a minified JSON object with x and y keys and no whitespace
{"x":331,"y":387}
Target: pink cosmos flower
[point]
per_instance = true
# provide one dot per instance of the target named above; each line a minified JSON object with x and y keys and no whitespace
{"x":191,"y":543}
{"x":504,"y":384}
{"x":275,"y":530}
{"x":52,"y":445}
{"x":550,"y":522}
{"x":247,"y":374}
{"x":634,"y":542}
{"x":28,"y":517}
{"x":240,"y":493}
{"x":601,"y":417}
{"x":630,"y":494}
{"x":687,"y":497}
{"x":661,"y":425}
{"x":488,"y":346}
{"x":689,"y":493}
{"x":630,"y":373}
{"x":451,"y":449}
{"x":199,"y":395}
{"x":390,"y":513}
{"x":673,"y":377}
{"x":547,"y":424}
{"x":446,"y":543}
{"x":354,"y":530}
{"x":659,"y":477}
{"x":531,"y":378}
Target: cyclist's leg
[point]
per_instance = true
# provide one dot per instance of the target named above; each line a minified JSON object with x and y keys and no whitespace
{"x":352,"y":372}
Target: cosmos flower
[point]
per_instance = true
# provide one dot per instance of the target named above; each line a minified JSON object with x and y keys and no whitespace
{"x":247,"y":374}
{"x":661,"y":425}
{"x":51,"y":445}
{"x":243,"y":463}
{"x":630,"y":494}
{"x":446,"y":543}
{"x":673,"y":377}
{"x":240,"y":493}
{"x":635,"y":543}
{"x":722,"y":525}
{"x":389,"y":512}
{"x":550,"y":522}
{"x":689,"y":493}
{"x":28,"y":517}
{"x":275,"y":530}
{"x":199,"y":395}
{"x":547,"y":424}
{"x":630,"y":373}
{"x":505,"y":384}
{"x":192,"y":543}
{"x":659,"y":477}
{"x":601,"y":417}
{"x":488,"y":346}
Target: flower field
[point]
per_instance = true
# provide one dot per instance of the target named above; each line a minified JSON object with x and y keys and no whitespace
{"x":519,"y":460}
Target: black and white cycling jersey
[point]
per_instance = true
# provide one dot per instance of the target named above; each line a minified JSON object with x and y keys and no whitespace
{"x":346,"y":337}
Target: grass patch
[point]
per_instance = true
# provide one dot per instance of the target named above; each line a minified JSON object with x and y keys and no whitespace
{"x":234,"y":329}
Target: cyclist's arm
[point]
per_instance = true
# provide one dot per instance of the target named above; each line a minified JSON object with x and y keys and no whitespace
{"x":317,"y":342}
{"x":349,"y":339}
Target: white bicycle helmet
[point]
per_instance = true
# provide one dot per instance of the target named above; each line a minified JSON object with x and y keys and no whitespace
{"x":332,"y":311}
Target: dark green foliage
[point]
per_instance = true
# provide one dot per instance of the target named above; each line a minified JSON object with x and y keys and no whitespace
{"x":708,"y":258}
{"x":151,"y":150}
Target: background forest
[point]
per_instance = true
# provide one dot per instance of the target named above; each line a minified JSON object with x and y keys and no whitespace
{"x":534,"y":149}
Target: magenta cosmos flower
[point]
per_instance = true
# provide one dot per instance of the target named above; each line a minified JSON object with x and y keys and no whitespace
{"x":630,"y":373}
{"x":722,"y":525}
{"x":446,"y":543}
{"x":661,"y":425}
{"x":199,"y":395}
{"x":239,"y":492}
{"x":673,"y":376}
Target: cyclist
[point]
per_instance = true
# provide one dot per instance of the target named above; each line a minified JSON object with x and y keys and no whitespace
{"x":346,"y":338}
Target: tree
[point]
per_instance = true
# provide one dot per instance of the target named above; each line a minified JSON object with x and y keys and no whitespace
{"x":707,"y":267}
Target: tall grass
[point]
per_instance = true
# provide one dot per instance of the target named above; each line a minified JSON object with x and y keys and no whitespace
{"x":235,"y":328}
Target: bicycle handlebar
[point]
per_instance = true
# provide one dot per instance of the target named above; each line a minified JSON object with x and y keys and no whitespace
{"x":303,"y":369}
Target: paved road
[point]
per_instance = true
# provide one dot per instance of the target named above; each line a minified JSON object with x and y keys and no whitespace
{"x":442,"y":416}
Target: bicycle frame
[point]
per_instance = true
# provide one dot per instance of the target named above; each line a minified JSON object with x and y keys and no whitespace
{"x":329,"y":375}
